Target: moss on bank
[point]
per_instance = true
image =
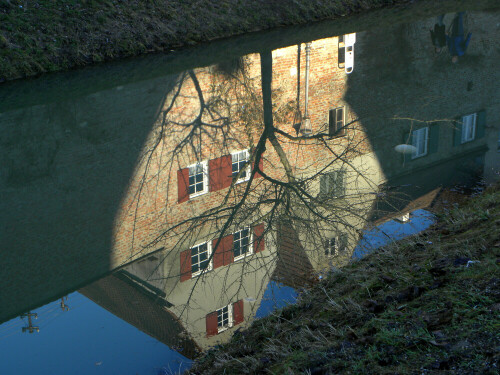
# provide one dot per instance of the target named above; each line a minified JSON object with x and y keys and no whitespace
{"x":49,"y":35}
{"x":426,"y":304}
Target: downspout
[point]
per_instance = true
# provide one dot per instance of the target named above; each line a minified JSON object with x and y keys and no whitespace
{"x":297,"y":118}
{"x":306,"y":128}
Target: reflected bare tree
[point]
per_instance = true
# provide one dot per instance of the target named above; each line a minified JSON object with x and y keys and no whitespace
{"x":210,"y":114}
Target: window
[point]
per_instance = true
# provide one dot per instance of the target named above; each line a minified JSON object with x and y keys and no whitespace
{"x":200,"y":258}
{"x":224,"y":318}
{"x":332,"y":184}
{"x":419,"y":140}
{"x":346,"y":52}
{"x":241,"y":243}
{"x":341,"y":52}
{"x":336,"y":245}
{"x":240,"y":164}
{"x":468,"y":128}
{"x":198,"y":179}
{"x":336,"y":122}
{"x":349,"y":40}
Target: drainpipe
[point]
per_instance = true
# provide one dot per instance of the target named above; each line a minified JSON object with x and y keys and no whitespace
{"x":306,"y":128}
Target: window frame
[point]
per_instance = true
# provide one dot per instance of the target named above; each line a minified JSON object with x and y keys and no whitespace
{"x":210,"y":262}
{"x":464,"y":129}
{"x":230,"y":318}
{"x":332,"y":192}
{"x":349,"y":41}
{"x":339,"y":132}
{"x":416,"y":154}
{"x":250,"y":243}
{"x":329,"y":247}
{"x":206,"y":181}
{"x":338,"y":246}
{"x":247,"y":167}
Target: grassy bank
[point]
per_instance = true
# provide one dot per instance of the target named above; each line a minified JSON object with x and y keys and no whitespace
{"x":50,"y":35}
{"x":427,"y":304}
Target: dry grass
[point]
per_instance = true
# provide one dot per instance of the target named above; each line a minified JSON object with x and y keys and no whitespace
{"x":52,"y":35}
{"x":427,"y":304}
{"x":49,"y":35}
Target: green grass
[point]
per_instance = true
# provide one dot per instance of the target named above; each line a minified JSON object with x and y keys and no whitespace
{"x":412,"y":307}
{"x":48,"y":35}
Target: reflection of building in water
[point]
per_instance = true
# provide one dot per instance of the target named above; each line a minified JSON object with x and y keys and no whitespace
{"x":350,"y":176}
{"x":447,"y":112}
{"x":124,"y":172}
{"x":142,"y":308}
{"x":213,"y":283}
{"x":199,"y":312}
{"x":410,"y":98}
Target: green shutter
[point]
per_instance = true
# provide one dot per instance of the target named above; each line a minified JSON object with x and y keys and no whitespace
{"x":331,"y":123}
{"x":342,"y":242}
{"x":433,"y":144}
{"x":339,"y":183}
{"x":480,"y":124}
{"x":323,"y":185}
{"x":457,"y":131}
{"x":332,"y":184}
{"x":327,"y":247}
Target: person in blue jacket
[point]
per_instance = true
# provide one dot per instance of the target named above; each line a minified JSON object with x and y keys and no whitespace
{"x":457,"y":43}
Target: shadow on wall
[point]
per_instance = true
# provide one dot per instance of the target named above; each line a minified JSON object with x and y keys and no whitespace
{"x":397,"y":66}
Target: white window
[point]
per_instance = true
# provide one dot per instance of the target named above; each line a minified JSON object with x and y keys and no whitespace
{"x":200,"y":258}
{"x":224,"y":318}
{"x":198,"y":179}
{"x":419,"y":140}
{"x":349,"y":40}
{"x":346,"y":52}
{"x":468,"y":128}
{"x":242,"y":243}
{"x":240,"y":164}
{"x":336,"y":245}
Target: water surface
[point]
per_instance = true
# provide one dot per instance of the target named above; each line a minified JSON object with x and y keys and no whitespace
{"x":175,"y":199}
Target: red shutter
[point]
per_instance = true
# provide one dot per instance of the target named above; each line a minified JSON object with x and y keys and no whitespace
{"x":215,"y":174}
{"x":223,"y":254}
{"x":218,"y":254}
{"x":183,"y":185}
{"x":227,"y":245}
{"x":220,"y":171}
{"x":258,"y":238}
{"x":185,"y":265}
{"x":211,"y":321}
{"x":238,"y":312}
{"x":227,"y":171}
